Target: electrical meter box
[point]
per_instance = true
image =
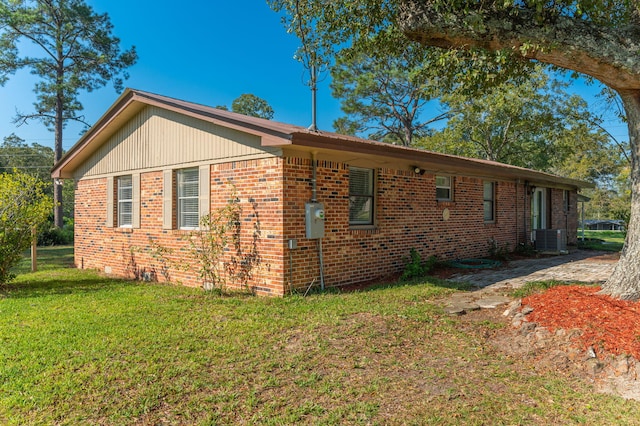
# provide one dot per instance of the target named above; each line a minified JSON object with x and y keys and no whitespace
{"x":314,"y":217}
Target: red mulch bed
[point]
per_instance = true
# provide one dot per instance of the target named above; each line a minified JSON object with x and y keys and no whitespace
{"x":608,"y":324}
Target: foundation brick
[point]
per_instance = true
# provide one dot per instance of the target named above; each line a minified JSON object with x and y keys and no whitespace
{"x":273,"y":193}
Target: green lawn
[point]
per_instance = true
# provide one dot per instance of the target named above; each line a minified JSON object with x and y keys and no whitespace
{"x":48,"y":258}
{"x":79,"y":348}
{"x":602,"y":240}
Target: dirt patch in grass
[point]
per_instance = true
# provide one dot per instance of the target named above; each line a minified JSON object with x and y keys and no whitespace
{"x":392,"y":368}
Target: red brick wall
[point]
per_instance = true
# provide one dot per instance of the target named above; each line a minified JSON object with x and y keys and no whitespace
{"x":134,"y":253}
{"x":562,"y":218}
{"x":407,"y":216}
{"x":273,"y":194}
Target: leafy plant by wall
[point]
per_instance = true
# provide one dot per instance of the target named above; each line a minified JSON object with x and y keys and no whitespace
{"x":23,"y":207}
{"x":415,"y":267}
{"x":207,"y":245}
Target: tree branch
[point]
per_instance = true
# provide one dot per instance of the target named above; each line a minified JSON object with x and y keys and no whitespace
{"x":605,"y":53}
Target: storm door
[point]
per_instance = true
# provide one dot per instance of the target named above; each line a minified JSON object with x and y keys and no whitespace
{"x":539,"y":209}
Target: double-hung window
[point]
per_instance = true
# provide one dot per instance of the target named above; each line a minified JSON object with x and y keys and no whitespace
{"x":125,"y":201}
{"x":188,"y":198}
{"x":361,"y":183}
{"x":489,"y":201}
{"x":443,"y":188}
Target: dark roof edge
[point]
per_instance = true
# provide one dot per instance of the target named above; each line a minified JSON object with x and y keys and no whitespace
{"x":275,"y":133}
{"x":351,"y":143}
{"x":272,"y":131}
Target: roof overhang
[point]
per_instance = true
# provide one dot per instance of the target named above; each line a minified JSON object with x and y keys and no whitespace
{"x":132,"y":102}
{"x":319,"y":142}
{"x":275,"y":134}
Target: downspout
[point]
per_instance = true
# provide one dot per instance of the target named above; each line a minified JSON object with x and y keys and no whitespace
{"x":314,"y":184}
{"x":321,"y":264}
{"x":516,"y":219}
{"x":582,"y":214}
{"x":566,"y":216}
{"x":524,"y":212}
{"x":314,"y":194}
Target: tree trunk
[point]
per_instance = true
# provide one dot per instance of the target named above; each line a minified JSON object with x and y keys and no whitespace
{"x":607,"y":53}
{"x":58,"y":211}
{"x":624,"y":283}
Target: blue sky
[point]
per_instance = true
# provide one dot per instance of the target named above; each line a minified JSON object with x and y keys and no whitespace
{"x":203,"y":51}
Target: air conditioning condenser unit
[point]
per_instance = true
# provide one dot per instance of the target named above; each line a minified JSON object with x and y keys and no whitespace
{"x":551,"y":240}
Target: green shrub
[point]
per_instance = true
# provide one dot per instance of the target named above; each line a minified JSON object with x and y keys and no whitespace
{"x":415,"y":267}
{"x":497,"y":251}
{"x":216,"y":252}
{"x":52,"y":236}
{"x":23,"y":207}
{"x":526,"y":249}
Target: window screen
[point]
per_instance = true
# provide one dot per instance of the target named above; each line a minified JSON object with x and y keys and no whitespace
{"x":188,"y":201}
{"x":443,"y":187}
{"x":489,"y":201}
{"x":125,"y":201}
{"x":360,"y":196}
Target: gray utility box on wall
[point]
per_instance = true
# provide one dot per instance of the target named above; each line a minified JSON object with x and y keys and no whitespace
{"x":314,"y":218}
{"x":551,"y":240}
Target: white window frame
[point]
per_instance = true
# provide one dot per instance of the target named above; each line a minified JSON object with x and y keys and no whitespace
{"x":124,"y":200}
{"x":491,"y":201}
{"x":367,"y":195}
{"x":446,"y":183}
{"x":183,"y":197}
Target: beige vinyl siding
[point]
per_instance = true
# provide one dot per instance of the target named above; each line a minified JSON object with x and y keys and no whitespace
{"x":156,"y":139}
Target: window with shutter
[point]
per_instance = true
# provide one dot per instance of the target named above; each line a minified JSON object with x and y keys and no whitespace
{"x":361,"y":196}
{"x":125,"y":201}
{"x":188,"y":198}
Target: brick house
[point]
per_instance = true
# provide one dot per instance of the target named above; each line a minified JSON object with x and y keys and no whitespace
{"x":315,"y":206}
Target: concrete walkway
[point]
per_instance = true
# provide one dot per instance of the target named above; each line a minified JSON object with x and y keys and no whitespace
{"x":578,"y":266}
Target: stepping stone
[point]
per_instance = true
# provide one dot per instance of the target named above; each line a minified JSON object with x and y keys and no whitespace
{"x":461,"y":307}
{"x":492,"y":302}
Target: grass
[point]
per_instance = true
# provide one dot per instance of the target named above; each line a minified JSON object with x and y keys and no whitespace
{"x":533,"y":287}
{"x":602,"y":240}
{"x":79,"y":348}
{"x":48,"y":258}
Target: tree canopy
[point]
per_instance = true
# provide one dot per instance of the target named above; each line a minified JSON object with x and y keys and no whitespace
{"x":23,"y":207}
{"x":384,"y":96}
{"x":533,"y":123}
{"x":252,"y":105}
{"x":35,"y":160}
{"x":594,"y":38}
{"x":70,"y":48}
{"x":598,"y":39}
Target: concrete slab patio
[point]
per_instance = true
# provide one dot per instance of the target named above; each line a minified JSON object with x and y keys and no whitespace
{"x":584,"y":266}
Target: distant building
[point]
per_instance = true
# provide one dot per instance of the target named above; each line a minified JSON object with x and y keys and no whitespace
{"x":605,"y":225}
